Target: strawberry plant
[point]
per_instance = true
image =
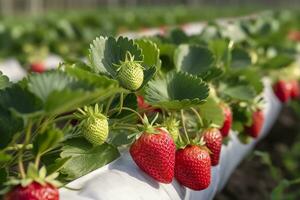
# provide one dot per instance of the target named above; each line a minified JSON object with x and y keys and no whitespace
{"x":62,"y":124}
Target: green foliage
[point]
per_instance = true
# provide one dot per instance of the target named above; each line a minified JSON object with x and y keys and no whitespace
{"x":9,"y":126}
{"x":178,"y":90}
{"x":107,"y":54}
{"x":85,"y":158}
{"x":211,"y":112}
{"x":4,"y":81}
{"x":193,"y":59}
{"x":240,"y":58}
{"x":46,"y":141}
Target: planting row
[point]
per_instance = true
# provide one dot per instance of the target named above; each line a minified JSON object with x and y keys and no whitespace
{"x":170,"y":99}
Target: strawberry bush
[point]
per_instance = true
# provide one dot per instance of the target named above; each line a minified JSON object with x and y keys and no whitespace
{"x":169,"y":99}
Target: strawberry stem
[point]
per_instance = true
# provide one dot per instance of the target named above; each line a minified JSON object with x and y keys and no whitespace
{"x":37,"y":160}
{"x":17,"y":147}
{"x":198,"y":116}
{"x":109,"y":104}
{"x":183,"y":125}
{"x":21,"y":167}
{"x":20,"y":154}
{"x":121,"y":102}
{"x":66,"y":117}
{"x":138,"y":114}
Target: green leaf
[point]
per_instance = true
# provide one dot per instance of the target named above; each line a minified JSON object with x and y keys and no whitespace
{"x":240,"y":92}
{"x":20,"y":100}
{"x":177,"y":36}
{"x":91,"y":78}
{"x":4,"y":81}
{"x":211,"y":74}
{"x":46,"y":141}
{"x":60,"y":92}
{"x":249,"y":75}
{"x":57,"y":165}
{"x":279,"y":191}
{"x":9,"y":126}
{"x":150,"y":52}
{"x":66,"y":100}
{"x":220,"y":49}
{"x":85,"y":158}
{"x":119,"y":137}
{"x":106,"y":53}
{"x":279,"y":61}
{"x":193,"y":59}
{"x":211,"y":112}
{"x":177,"y":90}
{"x":240,"y":58}
{"x":4,"y":157}
{"x":3,"y":178}
{"x":42,"y":85}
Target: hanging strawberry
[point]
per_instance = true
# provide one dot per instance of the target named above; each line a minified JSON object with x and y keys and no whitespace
{"x":257,"y":124}
{"x":294,"y":89}
{"x":213,"y":140}
{"x":130,"y":73}
{"x":154,"y":153}
{"x":282,"y":90}
{"x":227,"y":120}
{"x":93,"y":125}
{"x":193,"y":167}
{"x":35,"y":186}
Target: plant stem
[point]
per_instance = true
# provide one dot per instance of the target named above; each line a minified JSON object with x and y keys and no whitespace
{"x":66,"y":117}
{"x":109,"y":104}
{"x":121,"y":102}
{"x":20,"y":154}
{"x":198,"y":116}
{"x":183,"y":124}
{"x":37,"y":160}
{"x":17,"y":147}
{"x":138,"y":114}
{"x":129,"y":109}
{"x":21,"y":167}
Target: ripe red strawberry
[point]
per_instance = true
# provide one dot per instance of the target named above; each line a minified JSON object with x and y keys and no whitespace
{"x":294,"y":35}
{"x":193,"y":167}
{"x":227,"y":120}
{"x":213,"y":141}
{"x":38,"y":67}
{"x":142,"y":105}
{"x":282,"y":91}
{"x":257,"y":123}
{"x":33,"y":191}
{"x":154,"y":153}
{"x":294,"y":89}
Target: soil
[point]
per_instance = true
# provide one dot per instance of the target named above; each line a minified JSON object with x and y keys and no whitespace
{"x":253,"y":179}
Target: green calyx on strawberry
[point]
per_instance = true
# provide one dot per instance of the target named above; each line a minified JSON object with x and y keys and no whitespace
{"x":172,"y":125}
{"x":93,"y":125}
{"x":35,"y":186}
{"x":130,"y":73}
{"x":154,"y":153}
{"x":193,"y":167}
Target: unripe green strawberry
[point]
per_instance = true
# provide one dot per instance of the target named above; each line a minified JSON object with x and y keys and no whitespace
{"x":130,"y":74}
{"x":172,"y":125}
{"x":94,"y":125}
{"x":95,"y":130}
